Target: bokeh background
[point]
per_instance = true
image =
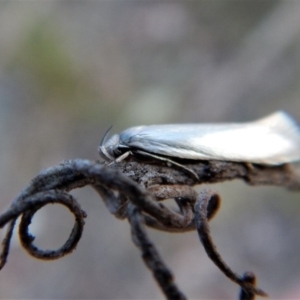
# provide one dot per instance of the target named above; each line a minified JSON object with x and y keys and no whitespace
{"x":70,"y":69}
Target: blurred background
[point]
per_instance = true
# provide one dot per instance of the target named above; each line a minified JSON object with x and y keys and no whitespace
{"x":71,"y":69}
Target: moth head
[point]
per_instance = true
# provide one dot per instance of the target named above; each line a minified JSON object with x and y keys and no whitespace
{"x":108,"y":149}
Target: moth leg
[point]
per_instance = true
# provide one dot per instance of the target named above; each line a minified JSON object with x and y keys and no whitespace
{"x":249,"y":166}
{"x":120,"y":158}
{"x":168,"y":161}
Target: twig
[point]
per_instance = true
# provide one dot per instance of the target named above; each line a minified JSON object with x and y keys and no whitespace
{"x":245,"y":294}
{"x":152,"y":173}
{"x":123,"y":190}
{"x":210,"y":248}
{"x":151,"y":257}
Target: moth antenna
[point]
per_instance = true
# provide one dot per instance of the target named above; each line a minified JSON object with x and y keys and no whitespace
{"x":105,"y":136}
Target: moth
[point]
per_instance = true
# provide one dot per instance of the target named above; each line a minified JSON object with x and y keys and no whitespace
{"x":272,"y":140}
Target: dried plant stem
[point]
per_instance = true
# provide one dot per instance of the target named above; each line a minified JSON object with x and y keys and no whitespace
{"x":135,"y":190}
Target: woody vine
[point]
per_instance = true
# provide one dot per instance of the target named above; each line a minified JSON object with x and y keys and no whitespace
{"x":135,"y":190}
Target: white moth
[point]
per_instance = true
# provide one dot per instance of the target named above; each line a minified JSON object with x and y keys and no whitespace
{"x":272,"y":140}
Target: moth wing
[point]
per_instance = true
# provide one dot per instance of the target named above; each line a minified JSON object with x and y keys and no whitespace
{"x":272,"y":140}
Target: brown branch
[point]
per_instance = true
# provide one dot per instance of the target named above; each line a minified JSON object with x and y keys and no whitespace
{"x":210,"y":248}
{"x":287,"y":175}
{"x":245,"y":294}
{"x":151,"y":257}
{"x":126,"y":197}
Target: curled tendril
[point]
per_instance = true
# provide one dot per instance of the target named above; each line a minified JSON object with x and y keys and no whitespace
{"x":125,"y":198}
{"x":201,"y":209}
{"x":40,"y":200}
{"x":27,"y":208}
{"x":52,"y":186}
